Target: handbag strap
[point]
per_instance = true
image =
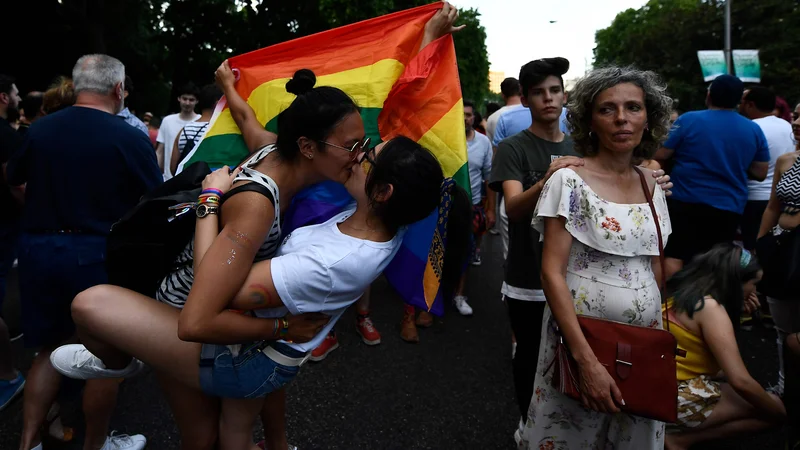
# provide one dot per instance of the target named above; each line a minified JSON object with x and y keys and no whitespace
{"x":649,"y":198}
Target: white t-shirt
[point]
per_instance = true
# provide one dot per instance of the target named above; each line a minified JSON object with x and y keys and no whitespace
{"x":170,"y":126}
{"x":780,"y":141}
{"x":319,"y":269}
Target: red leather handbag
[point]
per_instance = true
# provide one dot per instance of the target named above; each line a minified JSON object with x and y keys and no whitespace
{"x":640,"y":359}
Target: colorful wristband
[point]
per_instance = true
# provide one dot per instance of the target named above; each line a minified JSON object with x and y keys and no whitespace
{"x":284,"y":328}
{"x":276,"y":328}
{"x":212,"y":191}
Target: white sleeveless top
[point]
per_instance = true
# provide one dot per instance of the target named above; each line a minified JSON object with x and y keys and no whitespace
{"x":175,"y":287}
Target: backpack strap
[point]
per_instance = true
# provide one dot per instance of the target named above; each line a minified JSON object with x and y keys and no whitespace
{"x":249,"y":187}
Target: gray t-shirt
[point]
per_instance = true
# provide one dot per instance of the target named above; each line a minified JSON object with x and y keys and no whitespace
{"x":525,"y":157}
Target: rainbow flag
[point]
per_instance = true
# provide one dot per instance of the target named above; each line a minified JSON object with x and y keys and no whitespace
{"x":400,"y":92}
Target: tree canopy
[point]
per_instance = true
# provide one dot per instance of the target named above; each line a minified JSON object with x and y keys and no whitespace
{"x":665,"y":35}
{"x":167,"y":43}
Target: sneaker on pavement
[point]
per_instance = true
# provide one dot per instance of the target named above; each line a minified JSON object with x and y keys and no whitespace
{"x":10,"y":389}
{"x":330,"y":344}
{"x":124,"y":442}
{"x":424,"y":319}
{"x":461,"y":304}
{"x":519,"y":435}
{"x":476,"y":259}
{"x":367,"y":330}
{"x":74,"y":361}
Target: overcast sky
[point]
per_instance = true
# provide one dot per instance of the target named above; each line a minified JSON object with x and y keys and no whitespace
{"x":519,"y":31}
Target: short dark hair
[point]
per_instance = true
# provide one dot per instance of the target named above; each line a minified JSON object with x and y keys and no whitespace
{"x":6,"y":82}
{"x":469,"y":103}
{"x":189,"y":89}
{"x":209,"y":96}
{"x":537,"y":71}
{"x":416,"y":177}
{"x":726,"y":91}
{"x":509,"y":87}
{"x":718,"y":273}
{"x":129,"y":84}
{"x":492,"y":108}
{"x":32,"y":104}
{"x":763,"y":98}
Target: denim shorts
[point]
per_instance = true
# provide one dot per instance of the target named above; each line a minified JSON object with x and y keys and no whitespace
{"x":249,"y":374}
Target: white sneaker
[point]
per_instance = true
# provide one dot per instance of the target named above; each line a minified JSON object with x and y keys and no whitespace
{"x":461,"y":304}
{"x":124,"y":442}
{"x":519,"y":436}
{"x":74,"y":361}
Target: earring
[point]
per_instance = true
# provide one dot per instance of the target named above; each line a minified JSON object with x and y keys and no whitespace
{"x":309,"y":156}
{"x":591,"y":135}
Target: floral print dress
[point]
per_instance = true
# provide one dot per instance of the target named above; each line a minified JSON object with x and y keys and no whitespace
{"x":609,"y":274}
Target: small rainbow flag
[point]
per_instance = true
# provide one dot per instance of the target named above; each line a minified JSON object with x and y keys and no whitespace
{"x":400,"y":92}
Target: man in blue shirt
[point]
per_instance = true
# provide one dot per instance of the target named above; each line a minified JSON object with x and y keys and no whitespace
{"x":83,"y":169}
{"x":714,"y":153}
{"x":518,"y":119}
{"x":127,"y":115}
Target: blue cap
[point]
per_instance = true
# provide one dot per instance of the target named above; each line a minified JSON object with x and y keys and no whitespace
{"x":726,"y":91}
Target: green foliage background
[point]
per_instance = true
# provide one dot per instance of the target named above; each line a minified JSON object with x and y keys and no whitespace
{"x":665,"y":35}
{"x":167,"y":43}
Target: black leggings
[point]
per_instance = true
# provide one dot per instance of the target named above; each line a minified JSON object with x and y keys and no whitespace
{"x":526,"y":322}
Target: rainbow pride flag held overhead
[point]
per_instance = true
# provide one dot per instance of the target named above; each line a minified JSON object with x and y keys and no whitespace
{"x":400,"y":92}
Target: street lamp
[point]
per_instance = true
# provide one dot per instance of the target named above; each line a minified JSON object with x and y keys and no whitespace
{"x":728,"y":59}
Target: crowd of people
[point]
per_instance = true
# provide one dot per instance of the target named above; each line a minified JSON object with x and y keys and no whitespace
{"x":597,"y":196}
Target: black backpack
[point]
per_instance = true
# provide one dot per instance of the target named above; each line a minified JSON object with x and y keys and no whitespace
{"x":143,"y":246}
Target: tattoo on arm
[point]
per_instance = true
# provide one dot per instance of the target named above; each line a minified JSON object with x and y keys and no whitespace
{"x":257,"y":296}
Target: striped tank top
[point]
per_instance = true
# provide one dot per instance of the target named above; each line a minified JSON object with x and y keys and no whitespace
{"x":175,"y":287}
{"x":788,"y":189}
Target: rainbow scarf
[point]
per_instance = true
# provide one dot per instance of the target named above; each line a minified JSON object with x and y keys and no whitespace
{"x":400,"y":93}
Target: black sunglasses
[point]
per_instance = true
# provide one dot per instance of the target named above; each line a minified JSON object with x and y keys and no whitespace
{"x":370,"y":155}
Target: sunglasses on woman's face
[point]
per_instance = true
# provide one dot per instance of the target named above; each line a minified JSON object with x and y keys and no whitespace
{"x":358,"y":146}
{"x":369,"y":156}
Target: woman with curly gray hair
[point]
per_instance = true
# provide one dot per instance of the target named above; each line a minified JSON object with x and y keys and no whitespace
{"x":600,"y":256}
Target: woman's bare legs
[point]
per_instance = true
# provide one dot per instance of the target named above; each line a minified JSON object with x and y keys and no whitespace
{"x":236,"y":422}
{"x":732,"y":416}
{"x":273,"y":418}
{"x":115,"y":323}
{"x":195,"y":413}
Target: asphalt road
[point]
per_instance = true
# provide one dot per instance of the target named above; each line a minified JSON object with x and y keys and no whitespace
{"x":453,"y":390}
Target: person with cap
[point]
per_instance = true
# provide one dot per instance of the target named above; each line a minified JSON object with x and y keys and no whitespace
{"x":519,"y":171}
{"x":714,"y":153}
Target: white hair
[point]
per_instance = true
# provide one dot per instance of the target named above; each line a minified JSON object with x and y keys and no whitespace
{"x":97,"y":73}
